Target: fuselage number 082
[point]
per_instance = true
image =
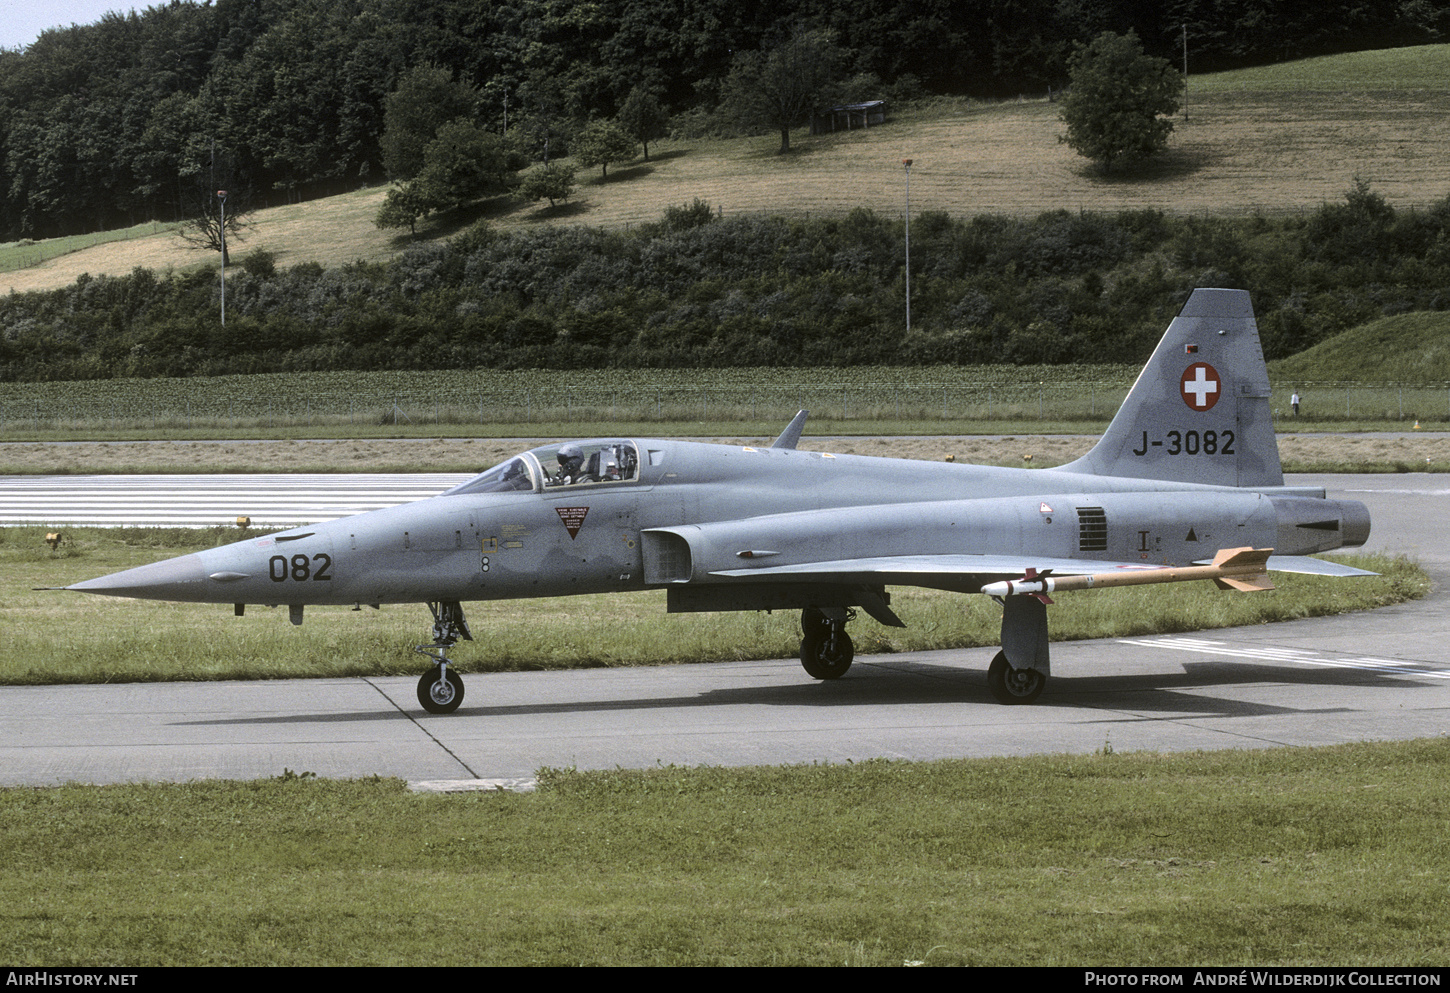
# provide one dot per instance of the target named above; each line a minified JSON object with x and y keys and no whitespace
{"x":299,"y":568}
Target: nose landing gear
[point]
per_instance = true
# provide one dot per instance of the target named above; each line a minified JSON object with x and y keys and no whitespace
{"x":440,"y":691}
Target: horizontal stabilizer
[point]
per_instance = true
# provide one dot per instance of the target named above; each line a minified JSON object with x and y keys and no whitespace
{"x":1309,"y":565}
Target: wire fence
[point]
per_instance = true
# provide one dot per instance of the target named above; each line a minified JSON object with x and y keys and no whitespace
{"x":603,"y":402}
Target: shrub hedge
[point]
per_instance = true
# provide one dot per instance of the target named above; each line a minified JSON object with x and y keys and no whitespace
{"x":693,"y":291}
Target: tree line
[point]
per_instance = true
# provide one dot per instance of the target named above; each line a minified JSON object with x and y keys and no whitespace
{"x":694,"y":290}
{"x":133,"y":117}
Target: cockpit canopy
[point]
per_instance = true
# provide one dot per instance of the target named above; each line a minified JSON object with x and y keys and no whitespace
{"x":595,"y":462}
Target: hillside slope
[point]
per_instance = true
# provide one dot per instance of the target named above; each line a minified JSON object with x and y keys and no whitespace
{"x":1275,"y":140}
{"x":1406,"y":348}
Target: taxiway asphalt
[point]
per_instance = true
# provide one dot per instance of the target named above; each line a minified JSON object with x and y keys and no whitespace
{"x":1369,"y":676}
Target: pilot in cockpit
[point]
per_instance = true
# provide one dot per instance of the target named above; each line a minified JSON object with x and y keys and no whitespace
{"x":571,"y":466}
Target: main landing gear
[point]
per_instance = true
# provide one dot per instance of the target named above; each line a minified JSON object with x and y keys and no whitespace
{"x":1019,"y":671}
{"x":826,"y":649}
{"x":1011,"y":685}
{"x":440,"y":691}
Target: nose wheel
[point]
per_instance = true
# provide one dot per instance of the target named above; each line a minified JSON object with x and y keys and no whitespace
{"x":440,"y":691}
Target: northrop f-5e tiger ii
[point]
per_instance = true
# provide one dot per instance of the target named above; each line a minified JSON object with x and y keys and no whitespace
{"x":1185,"y":484}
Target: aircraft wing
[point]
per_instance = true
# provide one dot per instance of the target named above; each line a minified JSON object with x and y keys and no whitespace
{"x":952,"y":569}
{"x":975,"y":571}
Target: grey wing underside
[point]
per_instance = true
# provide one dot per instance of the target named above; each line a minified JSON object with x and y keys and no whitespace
{"x":966,"y":573}
{"x":969,"y":573}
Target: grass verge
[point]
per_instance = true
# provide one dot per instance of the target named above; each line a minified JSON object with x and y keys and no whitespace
{"x":61,"y":637}
{"x":1293,"y":856}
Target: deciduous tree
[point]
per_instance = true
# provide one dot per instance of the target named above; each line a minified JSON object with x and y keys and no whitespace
{"x":402,"y":207}
{"x":462,"y":164}
{"x":427,"y":97}
{"x":780,"y":87}
{"x":1120,"y":101}
{"x":601,"y":143}
{"x":203,"y":197}
{"x":643,"y":118}
{"x":552,"y":182}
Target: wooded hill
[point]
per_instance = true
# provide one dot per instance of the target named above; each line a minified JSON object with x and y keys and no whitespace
{"x":123,"y":121}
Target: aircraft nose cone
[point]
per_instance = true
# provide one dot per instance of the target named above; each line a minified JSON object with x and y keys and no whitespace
{"x":180,"y":578}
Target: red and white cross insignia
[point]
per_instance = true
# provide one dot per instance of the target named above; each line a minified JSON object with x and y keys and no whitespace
{"x":1200,"y":386}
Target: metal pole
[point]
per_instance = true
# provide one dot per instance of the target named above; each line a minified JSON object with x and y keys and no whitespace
{"x":1185,"y":72}
{"x":906,"y":163}
{"x":222,"y":196}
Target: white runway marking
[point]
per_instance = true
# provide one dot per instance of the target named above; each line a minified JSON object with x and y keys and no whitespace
{"x":1295,"y":655}
{"x":206,"y":500}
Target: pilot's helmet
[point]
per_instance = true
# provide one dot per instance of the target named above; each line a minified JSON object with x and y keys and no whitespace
{"x":571,"y":457}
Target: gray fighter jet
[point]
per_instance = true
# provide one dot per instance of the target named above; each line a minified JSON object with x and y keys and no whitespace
{"x":1185,"y":484}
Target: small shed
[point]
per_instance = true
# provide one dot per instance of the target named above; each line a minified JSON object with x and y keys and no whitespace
{"x":848,"y":117}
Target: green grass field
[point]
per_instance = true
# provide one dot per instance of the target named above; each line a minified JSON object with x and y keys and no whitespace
{"x":1405,"y":348}
{"x":1395,"y":370}
{"x":60,"y":637}
{"x":26,"y":254}
{"x":1423,"y":67}
{"x":1290,"y":857}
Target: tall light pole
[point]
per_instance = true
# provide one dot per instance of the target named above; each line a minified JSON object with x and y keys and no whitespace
{"x":906,"y":163}
{"x":222,"y":196}
{"x":1185,"y":72}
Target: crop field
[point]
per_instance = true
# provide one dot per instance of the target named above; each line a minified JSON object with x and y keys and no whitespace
{"x":477,"y":397}
{"x":1275,"y":140}
{"x":905,"y":400}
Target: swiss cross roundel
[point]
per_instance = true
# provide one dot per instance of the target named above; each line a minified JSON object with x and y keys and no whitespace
{"x":1200,"y":386}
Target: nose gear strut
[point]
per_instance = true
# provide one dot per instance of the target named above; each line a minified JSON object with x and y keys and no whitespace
{"x":440,"y":691}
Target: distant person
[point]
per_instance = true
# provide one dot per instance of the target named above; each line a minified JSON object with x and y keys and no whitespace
{"x":1294,"y":403}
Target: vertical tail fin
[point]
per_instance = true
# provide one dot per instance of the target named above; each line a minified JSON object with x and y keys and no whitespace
{"x":1199,"y":411}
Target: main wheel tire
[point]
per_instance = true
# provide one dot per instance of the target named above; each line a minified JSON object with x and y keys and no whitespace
{"x":824,"y":660}
{"x":1011,"y":685}
{"x":439,"y":695}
